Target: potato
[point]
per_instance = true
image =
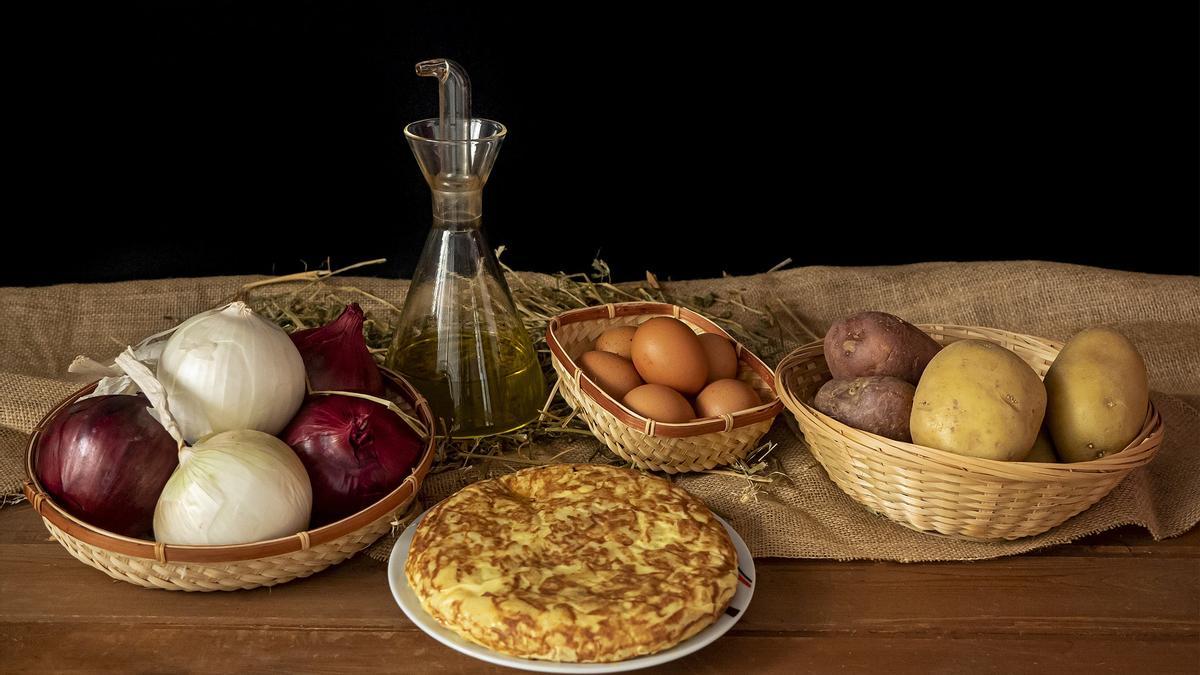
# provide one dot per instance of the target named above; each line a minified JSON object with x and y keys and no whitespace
{"x":1098,"y":392}
{"x":874,"y":343}
{"x":978,"y":399}
{"x":1043,"y":449}
{"x":879,"y":404}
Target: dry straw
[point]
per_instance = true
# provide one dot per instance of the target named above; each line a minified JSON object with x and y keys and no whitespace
{"x":673,"y":448}
{"x":313,"y":298}
{"x":941,"y":492}
{"x":226,"y":568}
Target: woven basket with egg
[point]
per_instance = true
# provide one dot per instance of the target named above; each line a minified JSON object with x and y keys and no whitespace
{"x":661,"y":385}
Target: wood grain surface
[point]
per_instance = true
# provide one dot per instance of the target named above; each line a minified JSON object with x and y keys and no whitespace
{"x":1117,"y":602}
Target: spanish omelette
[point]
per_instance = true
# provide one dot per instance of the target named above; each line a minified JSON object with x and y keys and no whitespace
{"x":573,"y":562}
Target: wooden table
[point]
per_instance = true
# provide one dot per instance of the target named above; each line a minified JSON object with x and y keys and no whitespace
{"x":1118,"y":602}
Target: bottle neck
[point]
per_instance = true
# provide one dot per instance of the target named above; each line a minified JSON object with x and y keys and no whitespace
{"x":458,"y":210}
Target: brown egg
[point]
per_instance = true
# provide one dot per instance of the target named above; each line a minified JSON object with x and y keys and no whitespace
{"x":660,"y":403}
{"x":615,"y":375}
{"x":722,"y":356}
{"x":667,"y":352}
{"x":726,"y":396}
{"x":617,"y":341}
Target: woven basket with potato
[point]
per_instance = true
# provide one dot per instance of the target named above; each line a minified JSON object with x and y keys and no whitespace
{"x":952,"y":493}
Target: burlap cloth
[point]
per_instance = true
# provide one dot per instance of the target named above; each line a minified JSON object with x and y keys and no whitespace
{"x":803,"y":516}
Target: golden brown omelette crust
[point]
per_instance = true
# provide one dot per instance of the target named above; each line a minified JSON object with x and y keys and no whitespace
{"x":573,"y":562}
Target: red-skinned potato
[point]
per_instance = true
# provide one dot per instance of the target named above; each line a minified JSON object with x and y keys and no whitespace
{"x":874,"y":343}
{"x":880,"y":405}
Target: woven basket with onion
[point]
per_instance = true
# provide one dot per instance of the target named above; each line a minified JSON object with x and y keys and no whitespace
{"x":940,"y":492}
{"x":238,"y":567}
{"x":677,"y":447}
{"x":311,"y":453}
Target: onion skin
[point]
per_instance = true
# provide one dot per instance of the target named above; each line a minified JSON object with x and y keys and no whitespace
{"x":234,"y":487}
{"x":229,"y":369}
{"x":356,"y":451}
{"x":336,"y":356}
{"x":105,"y":460}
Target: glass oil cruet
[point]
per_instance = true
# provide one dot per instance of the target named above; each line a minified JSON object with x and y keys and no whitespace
{"x":460,"y":341}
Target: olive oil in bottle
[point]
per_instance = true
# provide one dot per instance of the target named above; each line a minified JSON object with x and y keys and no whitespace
{"x":479,"y":383}
{"x":460,"y":341}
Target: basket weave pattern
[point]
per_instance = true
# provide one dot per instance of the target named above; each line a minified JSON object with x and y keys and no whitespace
{"x":936,"y":491}
{"x":673,"y":448}
{"x":231,"y":576}
{"x":244,"y":566}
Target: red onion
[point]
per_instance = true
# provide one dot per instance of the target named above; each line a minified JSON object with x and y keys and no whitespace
{"x":356,"y":451}
{"x":106,"y":460}
{"x":336,"y":357}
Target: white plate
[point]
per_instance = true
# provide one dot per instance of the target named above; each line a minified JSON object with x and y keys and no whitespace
{"x":408,"y":602}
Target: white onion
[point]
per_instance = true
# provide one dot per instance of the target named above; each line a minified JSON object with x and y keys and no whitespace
{"x":231,"y":369}
{"x":234,"y":487}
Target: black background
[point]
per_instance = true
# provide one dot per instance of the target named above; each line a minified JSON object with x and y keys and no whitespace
{"x":186,"y":139}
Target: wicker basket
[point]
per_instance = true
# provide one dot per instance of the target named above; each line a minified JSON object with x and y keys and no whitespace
{"x":228,"y":568}
{"x":941,"y":492}
{"x":673,"y":448}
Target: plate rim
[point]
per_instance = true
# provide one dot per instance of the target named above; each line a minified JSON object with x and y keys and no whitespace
{"x":397,"y":558}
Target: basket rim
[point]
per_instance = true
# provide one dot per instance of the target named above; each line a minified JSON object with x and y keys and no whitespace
{"x":649,"y":427}
{"x":45,"y":506}
{"x":1137,"y":453}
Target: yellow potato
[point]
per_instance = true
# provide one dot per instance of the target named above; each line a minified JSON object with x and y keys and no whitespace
{"x":1098,"y":392}
{"x":1043,"y":449}
{"x":978,"y":399}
